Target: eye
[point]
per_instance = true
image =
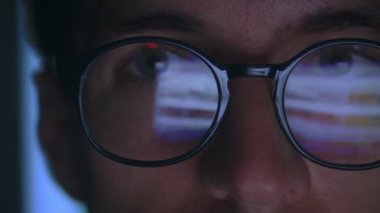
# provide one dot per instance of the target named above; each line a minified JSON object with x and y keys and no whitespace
{"x":336,"y":61}
{"x":150,"y":63}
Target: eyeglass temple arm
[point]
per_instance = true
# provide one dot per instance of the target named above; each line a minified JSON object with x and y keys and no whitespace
{"x":243,"y":70}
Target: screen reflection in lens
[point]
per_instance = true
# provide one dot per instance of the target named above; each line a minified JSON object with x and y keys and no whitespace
{"x":332,"y":104}
{"x":149,"y":101}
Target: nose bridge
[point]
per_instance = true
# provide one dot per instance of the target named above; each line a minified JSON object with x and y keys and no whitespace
{"x":252,"y":112}
{"x":248,"y":70}
{"x":259,"y":166}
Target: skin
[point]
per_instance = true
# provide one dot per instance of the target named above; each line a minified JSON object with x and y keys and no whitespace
{"x":249,"y":165}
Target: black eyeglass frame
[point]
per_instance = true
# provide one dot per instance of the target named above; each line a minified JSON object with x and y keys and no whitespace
{"x":73,"y":73}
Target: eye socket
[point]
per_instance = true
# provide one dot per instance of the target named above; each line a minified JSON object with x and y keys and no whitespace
{"x":150,"y":63}
{"x":336,"y":61}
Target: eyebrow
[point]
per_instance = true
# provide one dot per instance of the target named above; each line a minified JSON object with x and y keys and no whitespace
{"x":163,"y":20}
{"x":330,"y":20}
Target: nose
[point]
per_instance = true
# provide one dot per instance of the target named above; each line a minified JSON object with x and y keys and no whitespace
{"x":250,"y":160}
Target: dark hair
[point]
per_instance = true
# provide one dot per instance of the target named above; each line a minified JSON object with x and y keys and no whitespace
{"x":52,"y":22}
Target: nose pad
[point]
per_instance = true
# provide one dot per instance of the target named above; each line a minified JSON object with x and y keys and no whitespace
{"x":250,"y":160}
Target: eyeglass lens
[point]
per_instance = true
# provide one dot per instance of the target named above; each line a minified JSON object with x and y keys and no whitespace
{"x":332,"y":104}
{"x":152,"y":101}
{"x":149,"y":101}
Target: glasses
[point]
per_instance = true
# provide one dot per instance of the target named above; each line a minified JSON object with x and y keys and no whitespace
{"x":151,"y":101}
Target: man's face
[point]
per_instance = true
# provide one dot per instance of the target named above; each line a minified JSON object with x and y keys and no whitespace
{"x":249,"y":165}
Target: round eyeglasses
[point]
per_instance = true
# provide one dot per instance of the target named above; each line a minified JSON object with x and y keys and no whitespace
{"x":152,"y":101}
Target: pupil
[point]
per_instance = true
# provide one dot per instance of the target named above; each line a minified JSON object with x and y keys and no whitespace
{"x":152,"y":63}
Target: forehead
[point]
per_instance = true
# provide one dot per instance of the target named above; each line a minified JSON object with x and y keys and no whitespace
{"x":216,"y":13}
{"x":209,"y":8}
{"x":260,"y":20}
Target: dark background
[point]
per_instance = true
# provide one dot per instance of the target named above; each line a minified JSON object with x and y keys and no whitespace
{"x":10,"y":181}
